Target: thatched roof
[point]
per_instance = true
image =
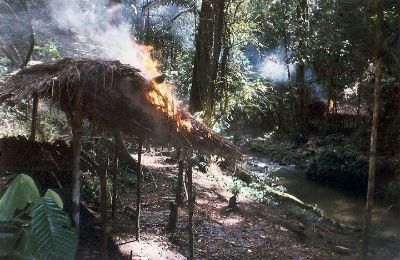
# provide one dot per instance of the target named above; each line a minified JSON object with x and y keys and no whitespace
{"x":114,"y":95}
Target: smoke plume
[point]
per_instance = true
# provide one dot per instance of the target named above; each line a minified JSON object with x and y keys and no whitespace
{"x":100,"y":27}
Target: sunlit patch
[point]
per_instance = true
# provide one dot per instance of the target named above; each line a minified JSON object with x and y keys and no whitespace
{"x":231,"y":221}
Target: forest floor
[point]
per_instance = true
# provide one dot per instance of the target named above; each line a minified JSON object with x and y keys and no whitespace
{"x":254,"y":231}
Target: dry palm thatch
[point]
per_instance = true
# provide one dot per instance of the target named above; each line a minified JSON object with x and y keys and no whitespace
{"x":114,"y":95}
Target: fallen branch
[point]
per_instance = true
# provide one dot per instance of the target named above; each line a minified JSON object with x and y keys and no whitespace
{"x":290,"y":198}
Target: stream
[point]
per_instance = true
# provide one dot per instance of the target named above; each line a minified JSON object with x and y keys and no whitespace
{"x":345,"y":209}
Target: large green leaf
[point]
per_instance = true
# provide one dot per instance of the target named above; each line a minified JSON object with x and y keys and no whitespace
{"x":54,"y":195}
{"x":21,"y":191}
{"x":55,"y":237}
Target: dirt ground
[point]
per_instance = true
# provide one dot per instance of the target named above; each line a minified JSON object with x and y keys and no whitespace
{"x":254,"y":231}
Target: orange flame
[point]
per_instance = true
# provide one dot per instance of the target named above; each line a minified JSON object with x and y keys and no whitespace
{"x":160,"y":94}
{"x":330,"y":104}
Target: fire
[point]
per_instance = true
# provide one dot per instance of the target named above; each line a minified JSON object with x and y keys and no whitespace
{"x":161,"y":93}
{"x":330,"y":104}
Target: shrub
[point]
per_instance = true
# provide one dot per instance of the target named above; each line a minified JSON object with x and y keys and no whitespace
{"x":340,"y":168}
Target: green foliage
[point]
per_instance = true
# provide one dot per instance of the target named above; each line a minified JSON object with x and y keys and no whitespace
{"x":21,"y":192}
{"x":34,"y":227}
{"x":52,"y":230}
{"x":340,"y":168}
{"x":236,"y":186}
{"x":55,"y":197}
{"x":47,"y":50}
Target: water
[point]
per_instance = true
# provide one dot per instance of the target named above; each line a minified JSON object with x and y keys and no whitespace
{"x":345,"y":209}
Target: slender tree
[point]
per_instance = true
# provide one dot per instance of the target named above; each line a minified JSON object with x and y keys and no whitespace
{"x":375,"y":121}
{"x":301,"y":31}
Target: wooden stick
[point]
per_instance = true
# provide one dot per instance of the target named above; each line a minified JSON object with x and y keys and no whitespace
{"x":34,"y":118}
{"x":138,"y":190}
{"x":114,"y":183}
{"x":103,"y":207}
{"x":189,"y":173}
{"x":179,"y":185}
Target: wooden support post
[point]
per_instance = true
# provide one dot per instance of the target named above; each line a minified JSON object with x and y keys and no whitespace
{"x":114,"y":177}
{"x":138,"y":189}
{"x":179,"y":185}
{"x":174,"y":206}
{"x":35,"y":104}
{"x":103,"y":206}
{"x":189,"y":173}
{"x":76,"y":127}
{"x":173,"y":217}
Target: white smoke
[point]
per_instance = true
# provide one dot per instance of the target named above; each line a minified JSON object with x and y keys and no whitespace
{"x":100,"y":26}
{"x":275,"y":68}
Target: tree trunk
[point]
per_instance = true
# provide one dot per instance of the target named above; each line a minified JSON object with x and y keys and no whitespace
{"x":285,"y":33}
{"x":138,"y":190}
{"x":219,"y":21}
{"x":24,"y":63}
{"x":202,"y":75}
{"x":208,"y":50}
{"x":31,"y":36}
{"x":302,"y":93}
{"x":374,"y":127}
{"x":189,"y":173}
